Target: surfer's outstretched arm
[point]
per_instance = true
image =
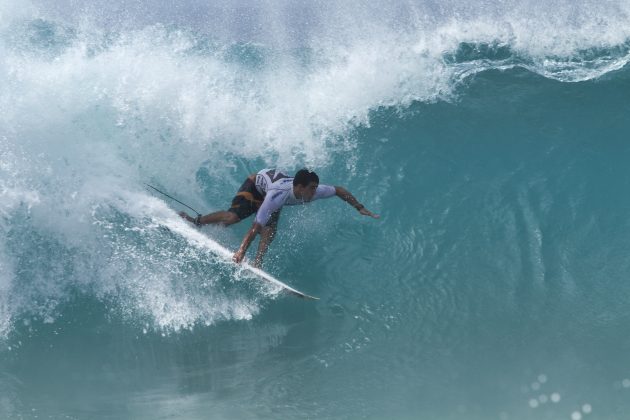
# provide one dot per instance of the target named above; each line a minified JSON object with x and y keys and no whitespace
{"x":346,"y":196}
{"x":266,"y":217}
{"x":247,"y":240}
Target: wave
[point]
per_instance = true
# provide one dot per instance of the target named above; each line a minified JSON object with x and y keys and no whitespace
{"x":95,"y":103}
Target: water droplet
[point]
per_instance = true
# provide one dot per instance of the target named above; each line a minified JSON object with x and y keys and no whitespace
{"x":586,"y":409}
{"x":576,"y":415}
{"x":542,"y":378}
{"x":555,"y":397}
{"x":533,"y":403}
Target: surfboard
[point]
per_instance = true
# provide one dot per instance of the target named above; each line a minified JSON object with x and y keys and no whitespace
{"x":265,"y":276}
{"x":193,"y":235}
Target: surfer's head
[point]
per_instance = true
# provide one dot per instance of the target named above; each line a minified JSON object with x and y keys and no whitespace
{"x":305,"y":184}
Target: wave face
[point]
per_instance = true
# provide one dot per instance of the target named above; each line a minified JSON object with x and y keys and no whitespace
{"x":490,"y":137}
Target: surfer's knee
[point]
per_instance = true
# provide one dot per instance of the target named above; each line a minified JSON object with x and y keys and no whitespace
{"x":230,"y":218}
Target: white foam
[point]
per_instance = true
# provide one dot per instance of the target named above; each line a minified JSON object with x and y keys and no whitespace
{"x":162,"y":287}
{"x":11,"y":12}
{"x":6,"y":278}
{"x":149,"y":75}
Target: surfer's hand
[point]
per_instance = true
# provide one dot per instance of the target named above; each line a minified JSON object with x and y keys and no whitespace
{"x":366,"y":212}
{"x":238,"y":257}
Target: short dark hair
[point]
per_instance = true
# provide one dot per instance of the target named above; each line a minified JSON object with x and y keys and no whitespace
{"x":304,"y":177}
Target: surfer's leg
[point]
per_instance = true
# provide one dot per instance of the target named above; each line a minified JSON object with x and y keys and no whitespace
{"x":224,"y":217}
{"x":245,"y":203}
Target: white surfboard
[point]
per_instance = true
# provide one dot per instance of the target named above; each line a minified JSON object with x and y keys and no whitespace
{"x":269,"y":278}
{"x":193,"y":235}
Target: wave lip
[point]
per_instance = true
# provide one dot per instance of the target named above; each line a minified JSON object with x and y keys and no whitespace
{"x":581,"y":66}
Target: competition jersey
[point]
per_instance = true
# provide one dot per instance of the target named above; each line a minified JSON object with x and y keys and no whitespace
{"x":277,"y":188}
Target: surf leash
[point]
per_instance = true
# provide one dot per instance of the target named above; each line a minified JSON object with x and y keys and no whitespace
{"x":197,"y":222}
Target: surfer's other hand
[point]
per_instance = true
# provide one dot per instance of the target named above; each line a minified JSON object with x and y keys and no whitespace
{"x":238,"y":257}
{"x":366,"y":212}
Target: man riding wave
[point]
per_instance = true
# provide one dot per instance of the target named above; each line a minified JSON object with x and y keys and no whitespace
{"x":265,"y":193}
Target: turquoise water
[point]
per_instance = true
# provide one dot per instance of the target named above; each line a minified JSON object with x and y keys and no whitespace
{"x":491,"y":140}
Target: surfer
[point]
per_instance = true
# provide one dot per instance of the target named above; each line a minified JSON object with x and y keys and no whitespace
{"x":265,"y":193}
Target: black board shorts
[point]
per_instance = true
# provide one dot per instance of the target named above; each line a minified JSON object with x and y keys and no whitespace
{"x":248,"y":200}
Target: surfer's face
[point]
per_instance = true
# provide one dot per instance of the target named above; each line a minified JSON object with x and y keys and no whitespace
{"x":306,"y":193}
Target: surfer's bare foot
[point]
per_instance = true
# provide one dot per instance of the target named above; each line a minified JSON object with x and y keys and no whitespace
{"x":185,"y":216}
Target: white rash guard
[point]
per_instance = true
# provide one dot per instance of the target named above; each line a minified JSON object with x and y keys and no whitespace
{"x":277,"y":188}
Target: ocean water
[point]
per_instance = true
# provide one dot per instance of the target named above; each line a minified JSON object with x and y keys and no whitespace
{"x":491,"y":137}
